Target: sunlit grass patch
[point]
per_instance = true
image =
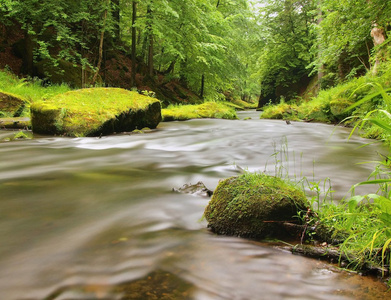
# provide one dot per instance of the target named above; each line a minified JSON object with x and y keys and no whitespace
{"x":216,"y":110}
{"x":32,"y":90}
{"x":283,"y":111}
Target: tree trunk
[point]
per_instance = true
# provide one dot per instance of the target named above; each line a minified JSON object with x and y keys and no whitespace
{"x":29,"y":56}
{"x":133,"y":69}
{"x":379,"y":36}
{"x":321,"y":67}
{"x":102,"y":35}
{"x":150,"y":42}
{"x":170,"y":68}
{"x":202,"y":86}
{"x":117,"y":19}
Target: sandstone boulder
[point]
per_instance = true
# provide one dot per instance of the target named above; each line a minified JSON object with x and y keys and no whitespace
{"x":95,"y":112}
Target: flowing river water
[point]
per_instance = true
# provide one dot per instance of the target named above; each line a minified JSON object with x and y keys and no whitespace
{"x":96,"y":218}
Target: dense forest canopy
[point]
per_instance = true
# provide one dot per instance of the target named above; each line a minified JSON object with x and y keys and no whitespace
{"x":240,"y":48}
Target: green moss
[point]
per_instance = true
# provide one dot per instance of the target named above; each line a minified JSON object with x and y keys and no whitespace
{"x":283,"y":111}
{"x":12,"y":105}
{"x":21,"y":136}
{"x":95,"y":111}
{"x":206,"y":110}
{"x":254,"y":206}
{"x":243,"y":104}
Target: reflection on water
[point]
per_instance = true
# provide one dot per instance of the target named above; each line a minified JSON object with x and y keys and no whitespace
{"x":91,"y":218}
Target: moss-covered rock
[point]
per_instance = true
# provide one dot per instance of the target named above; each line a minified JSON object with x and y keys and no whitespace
{"x":338,"y":107}
{"x":205,"y":110}
{"x":15,"y":123}
{"x":94,"y":112}
{"x":12,"y":105}
{"x":254,"y":206}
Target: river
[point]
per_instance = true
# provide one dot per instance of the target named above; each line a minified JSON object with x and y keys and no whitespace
{"x":96,"y":218}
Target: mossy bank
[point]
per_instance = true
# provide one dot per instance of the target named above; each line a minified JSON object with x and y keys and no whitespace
{"x":95,"y":112}
{"x":12,"y":105}
{"x":205,"y":110}
{"x":254,"y":205}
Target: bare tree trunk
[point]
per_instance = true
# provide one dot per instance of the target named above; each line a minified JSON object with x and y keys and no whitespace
{"x":379,"y":36}
{"x":150,"y":42}
{"x":102,"y":35}
{"x":133,"y":69}
{"x":321,"y":67}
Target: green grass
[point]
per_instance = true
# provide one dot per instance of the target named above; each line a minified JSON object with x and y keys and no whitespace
{"x":360,"y":225}
{"x":32,"y":90}
{"x":29,"y":91}
{"x":217,"y":110}
{"x":362,"y":95}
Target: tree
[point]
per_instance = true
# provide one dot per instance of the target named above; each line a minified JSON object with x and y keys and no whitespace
{"x":101,"y":43}
{"x":56,"y":31}
{"x":134,"y":41}
{"x":287,"y":37}
{"x":345,"y":36}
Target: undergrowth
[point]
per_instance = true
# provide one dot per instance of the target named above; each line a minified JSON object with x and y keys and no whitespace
{"x":30,"y":89}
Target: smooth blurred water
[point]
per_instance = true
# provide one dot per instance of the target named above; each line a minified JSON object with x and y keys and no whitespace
{"x":80,"y":217}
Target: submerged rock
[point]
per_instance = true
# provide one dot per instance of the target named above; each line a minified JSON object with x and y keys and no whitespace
{"x":95,"y":112}
{"x":254,"y":206}
{"x":198,"y":189}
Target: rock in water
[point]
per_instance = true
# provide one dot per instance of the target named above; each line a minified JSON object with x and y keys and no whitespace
{"x":254,"y":206}
{"x":198,"y":189}
{"x":95,"y":112}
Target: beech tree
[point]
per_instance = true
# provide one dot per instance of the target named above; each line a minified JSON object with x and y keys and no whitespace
{"x":287,"y":39}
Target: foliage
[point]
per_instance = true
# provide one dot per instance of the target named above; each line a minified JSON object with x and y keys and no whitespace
{"x":344,"y":46}
{"x":56,"y":30}
{"x":194,"y":39}
{"x":286,"y":39}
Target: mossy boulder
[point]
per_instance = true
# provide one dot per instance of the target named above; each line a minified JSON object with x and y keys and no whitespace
{"x":12,"y":105}
{"x":95,"y":112}
{"x":254,"y":206}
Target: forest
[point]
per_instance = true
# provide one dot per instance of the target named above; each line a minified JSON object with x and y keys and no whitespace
{"x":304,"y":61}
{"x":261,"y":50}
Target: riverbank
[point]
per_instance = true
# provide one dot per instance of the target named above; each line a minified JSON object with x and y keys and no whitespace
{"x":363,"y":105}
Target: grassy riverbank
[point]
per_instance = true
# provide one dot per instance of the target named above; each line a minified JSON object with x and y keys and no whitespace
{"x":33,"y":91}
{"x":355,"y":102}
{"x":364,"y":104}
